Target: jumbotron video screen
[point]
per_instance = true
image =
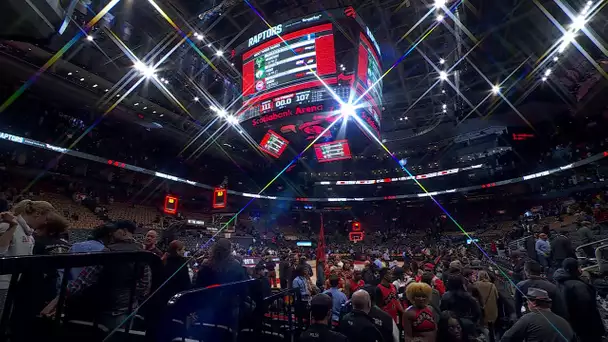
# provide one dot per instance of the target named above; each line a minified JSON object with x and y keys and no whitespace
{"x":294,"y":81}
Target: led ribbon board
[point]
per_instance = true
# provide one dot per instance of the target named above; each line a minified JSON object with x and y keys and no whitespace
{"x":48,"y":147}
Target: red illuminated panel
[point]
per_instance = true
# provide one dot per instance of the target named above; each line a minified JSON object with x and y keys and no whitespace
{"x":362,"y":65}
{"x":522,"y":136}
{"x":286,"y":37}
{"x":220,"y":196}
{"x":332,"y":151}
{"x":290,"y":89}
{"x":370,"y":48}
{"x":326,"y":58}
{"x":170,"y":204}
{"x":248,"y":78}
{"x":273,"y":144}
{"x":356,"y":236}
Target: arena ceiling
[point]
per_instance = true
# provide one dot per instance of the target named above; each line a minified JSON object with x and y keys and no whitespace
{"x":499,"y":60}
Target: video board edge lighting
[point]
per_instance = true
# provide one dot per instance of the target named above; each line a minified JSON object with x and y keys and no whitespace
{"x":82,"y":155}
{"x":441,"y":173}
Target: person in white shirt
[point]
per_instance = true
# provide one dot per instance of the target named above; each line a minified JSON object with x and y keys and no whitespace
{"x":16,"y":228}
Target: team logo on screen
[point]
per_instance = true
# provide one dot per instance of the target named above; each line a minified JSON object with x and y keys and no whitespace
{"x":260,"y":85}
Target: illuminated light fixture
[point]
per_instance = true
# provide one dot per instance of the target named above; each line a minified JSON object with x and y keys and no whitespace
{"x":566,"y":40}
{"x":445,"y":110}
{"x":219,"y":53}
{"x":162,"y":115}
{"x":495,"y":89}
{"x":222,"y":113}
{"x":443,"y":91}
{"x":82,"y":79}
{"x":544,"y":78}
{"x":145,"y":70}
{"x":196,"y":99}
{"x":209,"y":45}
{"x":555,"y":58}
{"x":153,"y":112}
{"x":444,"y":106}
{"x":162,"y":79}
{"x":136,"y":104}
{"x":69,"y":74}
{"x":441,"y":61}
{"x":547,"y":72}
{"x":145,"y":108}
{"x":440,"y":17}
{"x":198,"y":36}
{"x":232,"y":119}
{"x":579,"y":22}
{"x":90,"y":38}
{"x":443,"y":75}
{"x":117,"y":95}
{"x":166,"y":81}
{"x":94,"y":85}
{"x":347,"y":110}
{"x":440,"y":3}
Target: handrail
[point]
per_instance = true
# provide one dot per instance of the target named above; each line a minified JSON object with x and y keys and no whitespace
{"x":179,"y":298}
{"x":37,"y":264}
{"x":41,"y":263}
{"x":591,"y":244}
{"x":280,"y":294}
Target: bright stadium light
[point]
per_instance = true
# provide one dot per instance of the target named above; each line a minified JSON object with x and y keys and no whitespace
{"x":219,"y":53}
{"x":198,"y":36}
{"x":222,"y":113}
{"x":440,"y":17}
{"x":196,"y":99}
{"x":443,"y":75}
{"x":441,"y":61}
{"x":547,"y":72}
{"x":579,"y":22}
{"x":544,"y":78}
{"x":232,"y":119}
{"x":347,"y":110}
{"x":495,"y":89}
{"x":90,"y":38}
{"x":440,"y":3}
{"x":145,"y":70}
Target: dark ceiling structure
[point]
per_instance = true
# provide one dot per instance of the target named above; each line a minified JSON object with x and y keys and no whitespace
{"x":449,"y":71}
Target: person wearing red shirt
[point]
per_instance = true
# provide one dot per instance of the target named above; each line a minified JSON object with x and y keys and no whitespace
{"x":354,"y":284}
{"x":437,"y":283}
{"x":386,"y":294}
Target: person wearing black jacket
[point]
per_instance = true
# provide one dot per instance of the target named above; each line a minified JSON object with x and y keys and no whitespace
{"x":383,"y":321}
{"x":581,"y":302}
{"x":320,"y":316}
{"x":561,"y":248}
{"x":221,"y":268}
{"x":175,"y":274}
{"x":459,"y":301}
{"x":357,"y":325}
{"x":531,"y":247}
{"x":533,"y":271}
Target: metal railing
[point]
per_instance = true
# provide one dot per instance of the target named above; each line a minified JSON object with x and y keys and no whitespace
{"x":579,"y":249}
{"x":25,"y":267}
{"x":231,"y":312}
